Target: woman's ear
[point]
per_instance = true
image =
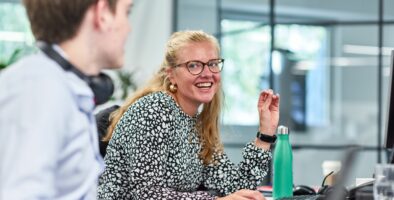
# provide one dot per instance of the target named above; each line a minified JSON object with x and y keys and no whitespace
{"x":170,"y":74}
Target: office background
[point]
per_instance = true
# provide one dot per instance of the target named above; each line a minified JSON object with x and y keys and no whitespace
{"x":328,"y":59}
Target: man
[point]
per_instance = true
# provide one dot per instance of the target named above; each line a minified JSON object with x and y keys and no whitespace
{"x":48,"y":135}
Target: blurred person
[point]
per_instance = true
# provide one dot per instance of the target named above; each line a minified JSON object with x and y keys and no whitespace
{"x":164,"y":141}
{"x":48,"y":146}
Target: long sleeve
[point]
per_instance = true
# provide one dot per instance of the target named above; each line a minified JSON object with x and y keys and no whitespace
{"x":31,"y":141}
{"x":140,"y":156}
{"x":48,"y":148}
{"x":225,"y":177}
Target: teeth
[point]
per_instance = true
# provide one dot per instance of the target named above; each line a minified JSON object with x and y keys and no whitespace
{"x":204,"y":84}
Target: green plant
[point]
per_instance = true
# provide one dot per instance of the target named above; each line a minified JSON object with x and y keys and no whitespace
{"x":126,"y":83}
{"x":14,"y":57}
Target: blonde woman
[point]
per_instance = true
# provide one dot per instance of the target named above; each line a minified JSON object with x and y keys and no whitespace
{"x":164,"y":141}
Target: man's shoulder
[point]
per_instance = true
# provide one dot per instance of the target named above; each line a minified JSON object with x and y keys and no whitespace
{"x":33,"y":67}
{"x":34,"y":75}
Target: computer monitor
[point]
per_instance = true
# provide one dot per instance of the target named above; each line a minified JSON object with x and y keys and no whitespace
{"x":389,"y":129}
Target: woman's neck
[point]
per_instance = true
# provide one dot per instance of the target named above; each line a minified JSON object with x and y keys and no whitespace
{"x":187,"y":107}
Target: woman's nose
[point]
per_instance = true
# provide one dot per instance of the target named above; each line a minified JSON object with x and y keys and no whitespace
{"x":206,"y":71}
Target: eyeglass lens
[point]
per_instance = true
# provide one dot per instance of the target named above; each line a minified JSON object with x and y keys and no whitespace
{"x":196,"y":67}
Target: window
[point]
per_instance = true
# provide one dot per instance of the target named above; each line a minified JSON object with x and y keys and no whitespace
{"x":245,"y":46}
{"x":14,"y":29}
{"x":299,"y":65}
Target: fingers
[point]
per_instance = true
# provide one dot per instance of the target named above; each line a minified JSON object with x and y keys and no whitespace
{"x":275,"y":102}
{"x":265,"y":99}
{"x":250,"y":194}
{"x":268,"y":100}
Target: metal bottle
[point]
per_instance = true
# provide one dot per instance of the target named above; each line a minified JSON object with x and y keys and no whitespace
{"x":283,"y":165}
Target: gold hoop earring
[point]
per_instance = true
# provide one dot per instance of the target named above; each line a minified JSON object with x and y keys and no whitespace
{"x":173,"y":88}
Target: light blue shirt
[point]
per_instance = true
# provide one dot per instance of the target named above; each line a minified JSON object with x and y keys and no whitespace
{"x":48,"y":135}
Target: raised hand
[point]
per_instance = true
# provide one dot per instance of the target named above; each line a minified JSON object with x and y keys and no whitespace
{"x":268,"y":107}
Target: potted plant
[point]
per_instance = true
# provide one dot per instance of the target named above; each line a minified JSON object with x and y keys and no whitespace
{"x":126,"y":83}
{"x":14,"y":57}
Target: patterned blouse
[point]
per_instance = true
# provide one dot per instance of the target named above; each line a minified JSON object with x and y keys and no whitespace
{"x":153,"y":154}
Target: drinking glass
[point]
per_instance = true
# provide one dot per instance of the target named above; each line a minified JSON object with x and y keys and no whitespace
{"x":384,"y":182}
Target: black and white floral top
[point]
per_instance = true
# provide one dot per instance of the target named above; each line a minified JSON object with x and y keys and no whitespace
{"x":153,"y":154}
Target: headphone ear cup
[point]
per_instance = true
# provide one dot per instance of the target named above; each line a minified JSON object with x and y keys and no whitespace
{"x":102,"y":87}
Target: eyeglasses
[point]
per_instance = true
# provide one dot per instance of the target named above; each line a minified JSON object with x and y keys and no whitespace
{"x":195,"y":67}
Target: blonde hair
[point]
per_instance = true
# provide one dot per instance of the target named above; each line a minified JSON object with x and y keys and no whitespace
{"x":208,"y":120}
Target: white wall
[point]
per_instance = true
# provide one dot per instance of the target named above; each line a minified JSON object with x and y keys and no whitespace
{"x":197,"y":15}
{"x":151,"y":27}
{"x":151,"y":22}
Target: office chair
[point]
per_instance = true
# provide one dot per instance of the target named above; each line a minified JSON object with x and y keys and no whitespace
{"x":102,"y":121}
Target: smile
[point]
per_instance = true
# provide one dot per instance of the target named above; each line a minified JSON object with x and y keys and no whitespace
{"x":204,"y":85}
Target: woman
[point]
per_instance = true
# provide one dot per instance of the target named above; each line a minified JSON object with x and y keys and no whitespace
{"x":164,"y":142}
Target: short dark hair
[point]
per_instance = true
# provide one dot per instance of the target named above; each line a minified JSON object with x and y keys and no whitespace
{"x":55,"y":21}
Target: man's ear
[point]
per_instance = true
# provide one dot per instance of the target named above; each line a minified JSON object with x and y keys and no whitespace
{"x":103,"y":16}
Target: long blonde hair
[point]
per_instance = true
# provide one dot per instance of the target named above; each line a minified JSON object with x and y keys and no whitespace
{"x":208,"y":120}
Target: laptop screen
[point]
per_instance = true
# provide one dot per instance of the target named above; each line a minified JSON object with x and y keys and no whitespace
{"x":389,"y":124}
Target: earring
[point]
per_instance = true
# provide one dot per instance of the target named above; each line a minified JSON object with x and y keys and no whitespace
{"x":173,"y":88}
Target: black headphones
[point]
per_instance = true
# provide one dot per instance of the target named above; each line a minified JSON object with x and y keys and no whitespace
{"x":101,"y":85}
{"x":329,"y":190}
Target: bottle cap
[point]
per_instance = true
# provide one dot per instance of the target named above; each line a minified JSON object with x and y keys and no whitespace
{"x":283,"y":130}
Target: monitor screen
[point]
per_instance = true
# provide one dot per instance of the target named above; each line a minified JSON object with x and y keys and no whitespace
{"x":389,"y":129}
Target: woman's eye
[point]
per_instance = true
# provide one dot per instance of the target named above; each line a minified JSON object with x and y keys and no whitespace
{"x":192,"y":65}
{"x":214,"y":64}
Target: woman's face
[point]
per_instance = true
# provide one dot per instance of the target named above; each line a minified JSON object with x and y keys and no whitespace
{"x":194,"y":90}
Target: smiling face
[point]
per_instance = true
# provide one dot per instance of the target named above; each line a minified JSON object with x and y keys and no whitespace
{"x":194,"y":90}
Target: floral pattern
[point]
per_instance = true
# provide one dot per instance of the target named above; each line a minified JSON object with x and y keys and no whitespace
{"x":153,"y":154}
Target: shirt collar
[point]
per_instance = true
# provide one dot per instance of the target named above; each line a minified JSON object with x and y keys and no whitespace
{"x":84,"y":95}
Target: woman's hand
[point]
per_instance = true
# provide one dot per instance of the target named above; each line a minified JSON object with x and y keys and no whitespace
{"x":268,"y":107}
{"x":244,"y":195}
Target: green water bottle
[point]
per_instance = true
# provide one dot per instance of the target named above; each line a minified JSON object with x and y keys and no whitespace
{"x":283,"y":165}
